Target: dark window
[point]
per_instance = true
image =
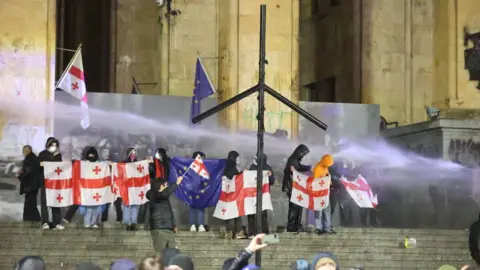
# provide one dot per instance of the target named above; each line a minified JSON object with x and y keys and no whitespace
{"x":323,"y":91}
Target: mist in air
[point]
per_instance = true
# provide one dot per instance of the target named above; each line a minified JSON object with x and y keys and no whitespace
{"x":393,"y":165}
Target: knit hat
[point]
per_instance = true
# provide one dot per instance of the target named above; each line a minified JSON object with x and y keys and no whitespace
{"x":447,"y":267}
{"x":30,"y":263}
{"x":324,"y":257}
{"x":182,"y":261}
{"x":250,"y":267}
{"x":168,"y":254}
{"x":123,"y":264}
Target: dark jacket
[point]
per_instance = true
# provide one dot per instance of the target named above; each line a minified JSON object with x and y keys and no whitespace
{"x":266,"y":167}
{"x":473,"y":240}
{"x":239,"y":262}
{"x":46,"y":156}
{"x":161,"y":213}
{"x":294,"y":160}
{"x":231,"y":165}
{"x":164,"y":163}
{"x":29,"y":178}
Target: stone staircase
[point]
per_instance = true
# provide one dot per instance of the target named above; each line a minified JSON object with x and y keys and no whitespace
{"x":370,"y":248}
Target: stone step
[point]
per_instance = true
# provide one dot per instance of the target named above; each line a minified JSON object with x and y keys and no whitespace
{"x":16,"y":225}
{"x":284,"y":248}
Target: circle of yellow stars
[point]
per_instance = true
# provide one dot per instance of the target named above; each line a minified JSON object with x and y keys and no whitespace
{"x":185,"y":168}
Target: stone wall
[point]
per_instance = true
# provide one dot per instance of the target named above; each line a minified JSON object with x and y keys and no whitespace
{"x":27,"y":58}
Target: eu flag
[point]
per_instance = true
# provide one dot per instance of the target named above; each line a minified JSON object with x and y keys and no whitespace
{"x":195,"y":190}
{"x":203,"y":89}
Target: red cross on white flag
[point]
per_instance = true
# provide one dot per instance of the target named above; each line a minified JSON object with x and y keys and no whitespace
{"x":311,"y":193}
{"x":199,"y":167}
{"x":58,"y":183}
{"x":94,"y":183}
{"x":360,"y":192}
{"x":133,"y":181}
{"x":72,"y":81}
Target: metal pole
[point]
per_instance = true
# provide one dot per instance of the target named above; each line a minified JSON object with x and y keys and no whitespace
{"x":261,"y":126}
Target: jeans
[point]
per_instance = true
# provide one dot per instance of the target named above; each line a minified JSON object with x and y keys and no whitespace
{"x":130,"y":214}
{"x":162,"y":239}
{"x":323,"y":219}
{"x":310,"y":217}
{"x":92,"y":215}
{"x":196,"y":216}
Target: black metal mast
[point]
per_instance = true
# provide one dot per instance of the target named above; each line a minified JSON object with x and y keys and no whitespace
{"x":261,"y":88}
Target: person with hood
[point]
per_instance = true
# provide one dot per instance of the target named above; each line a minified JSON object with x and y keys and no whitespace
{"x":324,"y":261}
{"x":294,"y":163}
{"x":230,"y":171}
{"x":91,"y":213}
{"x":197,"y":215}
{"x":323,"y":218}
{"x":130,"y":212}
{"x":181,"y":262}
{"x":161,"y":214}
{"x":29,"y":184}
{"x":159,"y":169}
{"x":50,"y":154}
{"x":252,"y":230}
{"x":473,"y":235}
{"x":89,"y":153}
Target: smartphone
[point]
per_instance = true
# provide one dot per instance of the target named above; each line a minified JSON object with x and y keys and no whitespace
{"x":271,"y":239}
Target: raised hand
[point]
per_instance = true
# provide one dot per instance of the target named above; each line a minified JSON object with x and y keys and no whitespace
{"x":256,"y":243}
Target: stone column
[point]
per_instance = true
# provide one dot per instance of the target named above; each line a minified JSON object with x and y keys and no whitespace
{"x":295,"y":87}
{"x":228,"y":39}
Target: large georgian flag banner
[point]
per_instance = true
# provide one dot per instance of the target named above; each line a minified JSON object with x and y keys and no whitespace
{"x":360,"y":192}
{"x":239,"y":196}
{"x":133,"y":181}
{"x":311,"y":193}
{"x":58,"y":183}
{"x":93,"y":183}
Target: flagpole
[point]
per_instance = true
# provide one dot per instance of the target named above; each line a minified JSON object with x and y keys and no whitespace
{"x":70,"y":64}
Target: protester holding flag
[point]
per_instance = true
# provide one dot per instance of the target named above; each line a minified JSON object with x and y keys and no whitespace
{"x":50,"y":154}
{"x":197,"y":215}
{"x":323,"y":217}
{"x":29,"y":184}
{"x":130,"y":212}
{"x":162,"y":222}
{"x":231,"y":170}
{"x":294,"y":163}
{"x":252,"y":230}
{"x":91,"y":213}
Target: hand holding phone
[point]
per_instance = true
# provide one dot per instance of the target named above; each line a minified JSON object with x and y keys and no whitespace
{"x":270,"y":239}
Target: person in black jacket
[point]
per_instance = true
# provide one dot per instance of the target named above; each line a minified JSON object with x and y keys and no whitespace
{"x":29,"y":184}
{"x":50,"y":154}
{"x":242,"y":258}
{"x":294,"y":211}
{"x":252,"y":230}
{"x":162,"y":221}
{"x":473,"y":240}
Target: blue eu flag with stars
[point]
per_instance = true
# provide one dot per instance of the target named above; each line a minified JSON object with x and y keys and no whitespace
{"x":195,"y":190}
{"x":203,"y":89}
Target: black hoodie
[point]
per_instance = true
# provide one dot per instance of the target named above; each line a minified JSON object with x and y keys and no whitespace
{"x":49,"y":157}
{"x":231,"y":165}
{"x":294,"y":160}
{"x":161,"y":213}
{"x":90,"y":150}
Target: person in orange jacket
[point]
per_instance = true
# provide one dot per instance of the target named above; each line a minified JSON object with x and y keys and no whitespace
{"x":323,"y":217}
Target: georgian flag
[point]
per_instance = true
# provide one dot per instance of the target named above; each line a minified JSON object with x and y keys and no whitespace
{"x":311,"y":193}
{"x":199,"y":167}
{"x":239,"y":196}
{"x":93,"y":183}
{"x":360,"y":192}
{"x":133,"y":181}
{"x":58,"y":183}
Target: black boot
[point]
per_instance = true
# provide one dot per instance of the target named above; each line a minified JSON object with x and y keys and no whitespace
{"x":133,"y":227}
{"x":129,"y":227}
